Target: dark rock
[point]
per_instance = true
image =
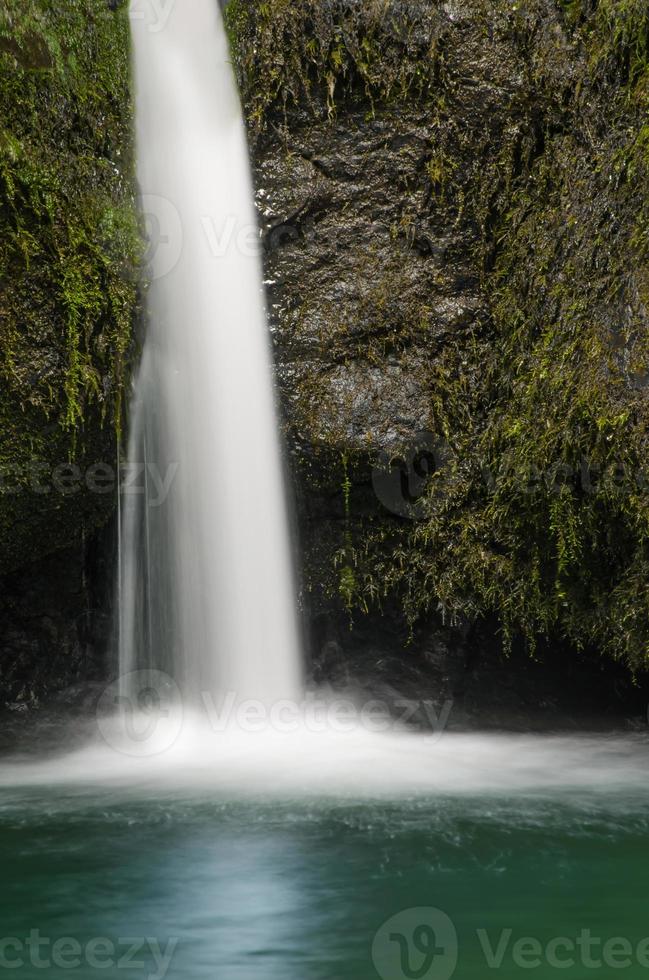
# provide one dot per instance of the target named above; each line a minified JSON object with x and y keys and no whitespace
{"x":453,"y":207}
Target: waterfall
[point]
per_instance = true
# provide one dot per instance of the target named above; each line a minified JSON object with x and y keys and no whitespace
{"x":206,"y":581}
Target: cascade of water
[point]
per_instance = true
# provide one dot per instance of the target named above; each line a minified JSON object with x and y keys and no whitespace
{"x":206,"y":578}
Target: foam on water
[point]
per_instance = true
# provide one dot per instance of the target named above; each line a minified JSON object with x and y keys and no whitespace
{"x":183,"y":753}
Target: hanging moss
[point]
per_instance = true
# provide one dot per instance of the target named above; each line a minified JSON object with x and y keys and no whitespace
{"x":544,"y":521}
{"x":533,"y":175}
{"x":68,"y":255}
{"x":315,"y":53}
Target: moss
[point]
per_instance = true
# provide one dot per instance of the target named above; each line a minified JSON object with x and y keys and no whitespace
{"x":347,"y":586}
{"x":622,"y":29}
{"x":536,"y":171}
{"x":555,"y":542}
{"x":314,"y":54}
{"x":69,"y":248}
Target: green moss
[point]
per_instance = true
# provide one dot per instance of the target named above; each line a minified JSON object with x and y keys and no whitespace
{"x":69,"y":241}
{"x":540,"y":517}
{"x":623,"y":26}
{"x":66,"y":172}
{"x":313,"y":54}
{"x":556,"y":543}
{"x":235,"y":17}
{"x":347,"y":586}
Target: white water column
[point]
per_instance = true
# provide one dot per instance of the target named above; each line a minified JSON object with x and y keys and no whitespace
{"x":207,"y":589}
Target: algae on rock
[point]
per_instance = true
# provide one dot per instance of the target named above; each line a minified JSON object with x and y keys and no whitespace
{"x":454,"y":197}
{"x":68,"y":265}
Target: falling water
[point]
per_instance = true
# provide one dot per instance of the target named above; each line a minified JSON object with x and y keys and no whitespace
{"x":206,"y":581}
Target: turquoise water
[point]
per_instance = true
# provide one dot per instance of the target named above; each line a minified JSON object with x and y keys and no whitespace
{"x":208,"y":886}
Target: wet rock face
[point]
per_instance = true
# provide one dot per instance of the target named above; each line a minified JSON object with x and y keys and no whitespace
{"x":68,"y":279}
{"x":372,"y":270}
{"x":453,"y":197}
{"x":56,"y":624}
{"x":68,"y":267}
{"x":375,"y":272}
{"x":456,"y":266}
{"x":359,"y":289}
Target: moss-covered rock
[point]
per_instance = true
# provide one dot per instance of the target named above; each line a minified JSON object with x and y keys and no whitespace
{"x":454,"y":204}
{"x":68,"y":251}
{"x":314,"y":55}
{"x":454,"y":198}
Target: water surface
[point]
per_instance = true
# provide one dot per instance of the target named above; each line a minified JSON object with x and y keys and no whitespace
{"x":249,"y":882}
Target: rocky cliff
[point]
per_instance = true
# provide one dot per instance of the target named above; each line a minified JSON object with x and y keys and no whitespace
{"x":453,"y":199}
{"x":68,"y":274}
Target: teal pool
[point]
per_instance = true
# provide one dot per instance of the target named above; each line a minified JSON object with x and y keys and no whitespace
{"x":155,"y":880}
